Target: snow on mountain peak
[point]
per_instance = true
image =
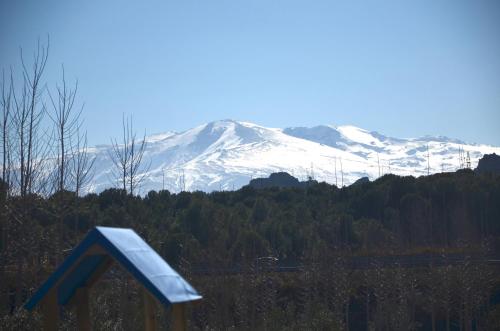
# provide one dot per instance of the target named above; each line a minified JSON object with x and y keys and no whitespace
{"x":226,"y":154}
{"x":358,"y":135}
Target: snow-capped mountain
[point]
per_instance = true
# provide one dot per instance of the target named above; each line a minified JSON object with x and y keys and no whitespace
{"x":227,"y":154}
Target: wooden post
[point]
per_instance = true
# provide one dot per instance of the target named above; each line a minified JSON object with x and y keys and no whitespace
{"x":82,"y":309}
{"x":149,"y":311}
{"x":50,"y":311}
{"x":179,"y":321}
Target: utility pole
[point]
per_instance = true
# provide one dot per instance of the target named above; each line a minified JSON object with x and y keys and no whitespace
{"x":378,"y":162}
{"x":428,"y":161}
{"x":183,"y":181}
{"x":459,"y":158}
{"x":163,"y":178}
{"x":336,"y":184}
{"x":342,"y":172}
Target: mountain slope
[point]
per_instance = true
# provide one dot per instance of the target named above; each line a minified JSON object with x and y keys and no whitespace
{"x":228,"y":154}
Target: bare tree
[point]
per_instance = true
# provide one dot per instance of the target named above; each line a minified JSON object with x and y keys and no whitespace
{"x":81,"y":162}
{"x":120,"y":156}
{"x":137,"y":148}
{"x":31,"y":148}
{"x":6,"y":106}
{"x":67,"y":122}
{"x":127,"y":157}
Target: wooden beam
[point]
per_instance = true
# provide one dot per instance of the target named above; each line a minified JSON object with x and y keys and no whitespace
{"x":179,"y":320}
{"x":82,"y":309}
{"x":95,"y":249}
{"x":49,"y":305}
{"x":93,"y":279}
{"x":149,"y":311}
{"x":50,"y":311}
{"x":96,"y":275}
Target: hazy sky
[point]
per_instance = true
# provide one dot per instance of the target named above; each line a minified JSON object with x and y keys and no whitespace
{"x":403,"y":68}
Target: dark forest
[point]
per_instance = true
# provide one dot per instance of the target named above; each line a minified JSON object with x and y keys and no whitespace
{"x":396,"y":253}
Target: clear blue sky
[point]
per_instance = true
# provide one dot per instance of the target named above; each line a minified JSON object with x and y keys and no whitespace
{"x":403,"y":68}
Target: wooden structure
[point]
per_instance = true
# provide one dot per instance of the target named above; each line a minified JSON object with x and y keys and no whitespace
{"x":102,"y":247}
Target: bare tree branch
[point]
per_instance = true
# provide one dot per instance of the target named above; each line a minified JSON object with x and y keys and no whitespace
{"x":127,"y":157}
{"x":30,"y":150}
{"x":67,"y":122}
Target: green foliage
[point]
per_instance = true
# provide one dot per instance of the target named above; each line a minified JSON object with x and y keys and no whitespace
{"x":207,"y":236}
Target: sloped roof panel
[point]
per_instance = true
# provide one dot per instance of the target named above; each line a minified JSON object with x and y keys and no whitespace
{"x":146,"y":265}
{"x":130,"y":251}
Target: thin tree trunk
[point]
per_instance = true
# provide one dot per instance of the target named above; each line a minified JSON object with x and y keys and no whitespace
{"x":347,"y":316}
{"x":447,"y":319}
{"x":367,"y":307}
{"x":433,"y":318}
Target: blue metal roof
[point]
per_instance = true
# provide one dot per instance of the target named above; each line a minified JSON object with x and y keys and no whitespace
{"x":132,"y":253}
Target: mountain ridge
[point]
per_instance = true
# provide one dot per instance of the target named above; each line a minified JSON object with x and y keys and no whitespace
{"x":227,"y":154}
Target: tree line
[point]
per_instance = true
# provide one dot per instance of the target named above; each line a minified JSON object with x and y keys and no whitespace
{"x":206,"y":236}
